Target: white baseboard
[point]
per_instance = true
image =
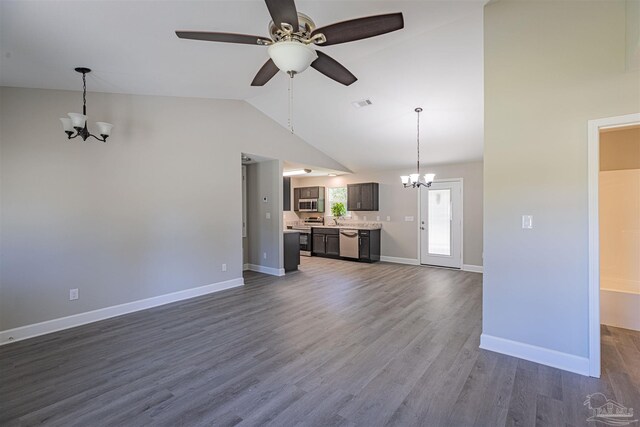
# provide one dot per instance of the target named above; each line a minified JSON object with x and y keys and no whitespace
{"x":266,"y":270}
{"x":544,"y":356}
{"x":245,"y":267}
{"x":472,"y":268}
{"x":36,"y":329}
{"x":396,"y":260}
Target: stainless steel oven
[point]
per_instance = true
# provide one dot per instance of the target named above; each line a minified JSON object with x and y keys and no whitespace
{"x":308,"y":205}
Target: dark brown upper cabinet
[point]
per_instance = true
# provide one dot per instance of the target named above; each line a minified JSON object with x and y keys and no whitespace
{"x":286,"y":193}
{"x":363,"y":197}
{"x":312,"y":192}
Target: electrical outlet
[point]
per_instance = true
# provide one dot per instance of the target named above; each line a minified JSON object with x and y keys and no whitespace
{"x":268,"y":215}
{"x":388,"y":218}
{"x":264,"y":255}
{"x":527,"y":221}
{"x":224,"y":267}
{"x":73,"y":294}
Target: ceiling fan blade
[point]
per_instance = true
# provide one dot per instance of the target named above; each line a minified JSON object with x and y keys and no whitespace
{"x":283,"y":11}
{"x":333,"y":69}
{"x":361,"y":28}
{"x":223,"y":37}
{"x":268,"y":70}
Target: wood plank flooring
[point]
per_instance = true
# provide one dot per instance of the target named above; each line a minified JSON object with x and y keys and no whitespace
{"x":337,"y":343}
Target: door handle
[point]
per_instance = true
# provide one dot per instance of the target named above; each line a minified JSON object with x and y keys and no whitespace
{"x":421,"y":228}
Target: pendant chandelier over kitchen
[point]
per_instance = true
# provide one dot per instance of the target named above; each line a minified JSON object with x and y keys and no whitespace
{"x":413,"y":180}
{"x":77,"y":123}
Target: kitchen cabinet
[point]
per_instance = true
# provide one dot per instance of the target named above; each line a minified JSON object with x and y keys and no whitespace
{"x":325,"y":241}
{"x":286,"y":193}
{"x":369,"y":245}
{"x":363,"y":197}
{"x":296,"y":198}
{"x":311,"y":192}
{"x":291,"y":250}
{"x":318,"y":245}
{"x":333,"y":245}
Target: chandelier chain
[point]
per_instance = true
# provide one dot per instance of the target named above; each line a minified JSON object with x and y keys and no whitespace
{"x":418,"y":143}
{"x":84,"y":91}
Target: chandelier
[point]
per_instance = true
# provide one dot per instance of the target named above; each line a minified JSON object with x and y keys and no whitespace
{"x":76,"y":124}
{"x":413,"y":180}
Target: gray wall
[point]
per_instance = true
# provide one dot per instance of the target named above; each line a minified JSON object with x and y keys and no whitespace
{"x":157,"y":209}
{"x":400,"y":238}
{"x":264,"y":235}
{"x":549,"y":68}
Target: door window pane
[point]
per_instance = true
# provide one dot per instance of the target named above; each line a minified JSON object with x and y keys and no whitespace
{"x":439,"y":232}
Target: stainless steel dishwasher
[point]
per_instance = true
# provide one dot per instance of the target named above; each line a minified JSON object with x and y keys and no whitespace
{"x":349,"y":243}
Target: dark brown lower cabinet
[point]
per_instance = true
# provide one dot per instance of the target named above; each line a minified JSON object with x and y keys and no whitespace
{"x":333,"y":245}
{"x":369,"y":245}
{"x":318,"y":244}
{"x":291,"y":250}
{"x":326,"y":243}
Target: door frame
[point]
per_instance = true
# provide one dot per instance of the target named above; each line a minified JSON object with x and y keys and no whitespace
{"x":419,"y":222}
{"x":593,"y":168}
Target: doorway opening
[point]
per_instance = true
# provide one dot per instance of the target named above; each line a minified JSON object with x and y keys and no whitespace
{"x":441,"y":224}
{"x":611,"y":236}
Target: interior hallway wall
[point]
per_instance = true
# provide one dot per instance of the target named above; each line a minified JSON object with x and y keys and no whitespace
{"x":550,"y":67}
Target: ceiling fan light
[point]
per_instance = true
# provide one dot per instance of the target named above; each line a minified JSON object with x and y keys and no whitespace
{"x":77,"y":120}
{"x":292,"y":56}
{"x":414,"y":177}
{"x":429,"y":177}
{"x":404,"y":179}
{"x":66,"y":124}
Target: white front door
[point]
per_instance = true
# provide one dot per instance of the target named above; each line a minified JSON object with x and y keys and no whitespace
{"x":441,"y":224}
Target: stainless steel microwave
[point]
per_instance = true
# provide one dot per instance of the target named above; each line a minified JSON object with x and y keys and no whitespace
{"x":308,"y":205}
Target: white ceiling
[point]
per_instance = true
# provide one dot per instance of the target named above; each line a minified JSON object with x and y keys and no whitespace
{"x":435,"y":62}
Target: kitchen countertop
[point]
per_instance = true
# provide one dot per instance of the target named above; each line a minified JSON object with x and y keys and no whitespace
{"x":351,"y":226}
{"x":288,"y":231}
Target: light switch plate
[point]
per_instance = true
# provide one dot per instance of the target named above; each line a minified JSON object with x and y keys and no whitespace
{"x":527,"y":221}
{"x":268,"y":215}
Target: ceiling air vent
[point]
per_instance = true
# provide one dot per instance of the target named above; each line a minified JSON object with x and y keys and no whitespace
{"x":362,"y":103}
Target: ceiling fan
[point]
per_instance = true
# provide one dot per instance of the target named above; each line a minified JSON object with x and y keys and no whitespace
{"x":292,"y":34}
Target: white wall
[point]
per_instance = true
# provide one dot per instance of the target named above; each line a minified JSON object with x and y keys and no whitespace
{"x":399,"y":239}
{"x":550,"y":66}
{"x":157,"y":209}
{"x":264,"y":235}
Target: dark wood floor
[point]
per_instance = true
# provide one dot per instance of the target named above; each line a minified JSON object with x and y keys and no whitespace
{"x":337,"y":343}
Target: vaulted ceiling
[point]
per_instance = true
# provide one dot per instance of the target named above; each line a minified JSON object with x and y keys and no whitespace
{"x":435,"y":62}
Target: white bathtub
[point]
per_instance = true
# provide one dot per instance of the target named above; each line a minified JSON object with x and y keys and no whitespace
{"x":620,"y":308}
